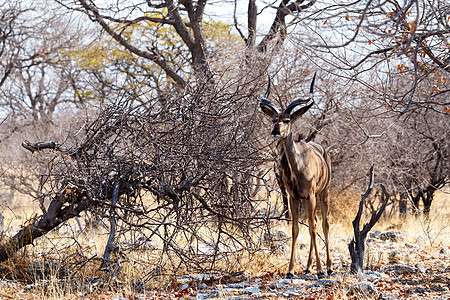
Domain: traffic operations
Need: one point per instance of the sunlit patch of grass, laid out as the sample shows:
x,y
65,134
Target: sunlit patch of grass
x,y
146,269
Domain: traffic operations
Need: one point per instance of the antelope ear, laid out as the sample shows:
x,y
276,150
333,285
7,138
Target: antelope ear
x,y
267,108
298,113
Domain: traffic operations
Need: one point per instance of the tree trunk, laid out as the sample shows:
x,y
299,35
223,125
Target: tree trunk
x,y
39,226
356,246
403,205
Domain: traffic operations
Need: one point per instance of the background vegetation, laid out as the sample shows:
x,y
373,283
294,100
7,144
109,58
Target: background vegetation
x,y
151,110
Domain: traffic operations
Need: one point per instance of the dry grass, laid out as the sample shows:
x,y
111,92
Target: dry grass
x,y
429,234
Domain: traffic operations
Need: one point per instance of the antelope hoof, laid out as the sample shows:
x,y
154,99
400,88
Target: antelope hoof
x,y
321,274
289,275
329,272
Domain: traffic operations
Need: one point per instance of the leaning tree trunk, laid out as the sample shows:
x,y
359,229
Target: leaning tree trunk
x,y
68,202
57,213
356,246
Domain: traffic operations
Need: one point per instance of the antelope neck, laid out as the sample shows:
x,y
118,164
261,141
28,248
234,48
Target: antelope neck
x,y
289,147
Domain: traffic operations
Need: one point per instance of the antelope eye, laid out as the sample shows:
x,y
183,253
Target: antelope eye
x,y
286,121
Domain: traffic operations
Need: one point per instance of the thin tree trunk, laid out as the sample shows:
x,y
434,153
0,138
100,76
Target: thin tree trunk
x,y
356,246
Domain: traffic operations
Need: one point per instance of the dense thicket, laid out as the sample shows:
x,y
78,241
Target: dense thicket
x,y
167,141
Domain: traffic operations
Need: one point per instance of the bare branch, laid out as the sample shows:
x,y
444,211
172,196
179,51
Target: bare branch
x,y
145,54
33,147
279,24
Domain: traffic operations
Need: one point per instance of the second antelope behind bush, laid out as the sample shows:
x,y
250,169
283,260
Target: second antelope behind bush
x,y
306,173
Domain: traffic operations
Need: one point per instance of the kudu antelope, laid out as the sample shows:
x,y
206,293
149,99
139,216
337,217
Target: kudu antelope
x,y
306,173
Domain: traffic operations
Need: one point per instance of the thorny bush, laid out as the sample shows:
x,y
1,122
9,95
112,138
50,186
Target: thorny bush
x,y
184,172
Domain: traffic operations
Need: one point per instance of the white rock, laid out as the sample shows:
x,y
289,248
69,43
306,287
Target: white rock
x,y
277,285
238,285
393,236
322,283
410,245
292,282
298,282
440,263
400,269
391,246
420,268
373,275
292,292
205,249
251,290
271,295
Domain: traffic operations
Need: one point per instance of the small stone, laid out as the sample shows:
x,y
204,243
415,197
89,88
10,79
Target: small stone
x,y
238,285
184,286
364,288
278,284
421,290
309,277
393,236
384,296
294,282
298,282
374,275
440,263
251,290
271,295
420,268
375,234
401,269
207,295
294,292
396,256
372,240
391,246
410,245
322,283
444,251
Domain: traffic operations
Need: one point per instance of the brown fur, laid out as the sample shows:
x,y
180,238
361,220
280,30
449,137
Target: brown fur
x,y
306,174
